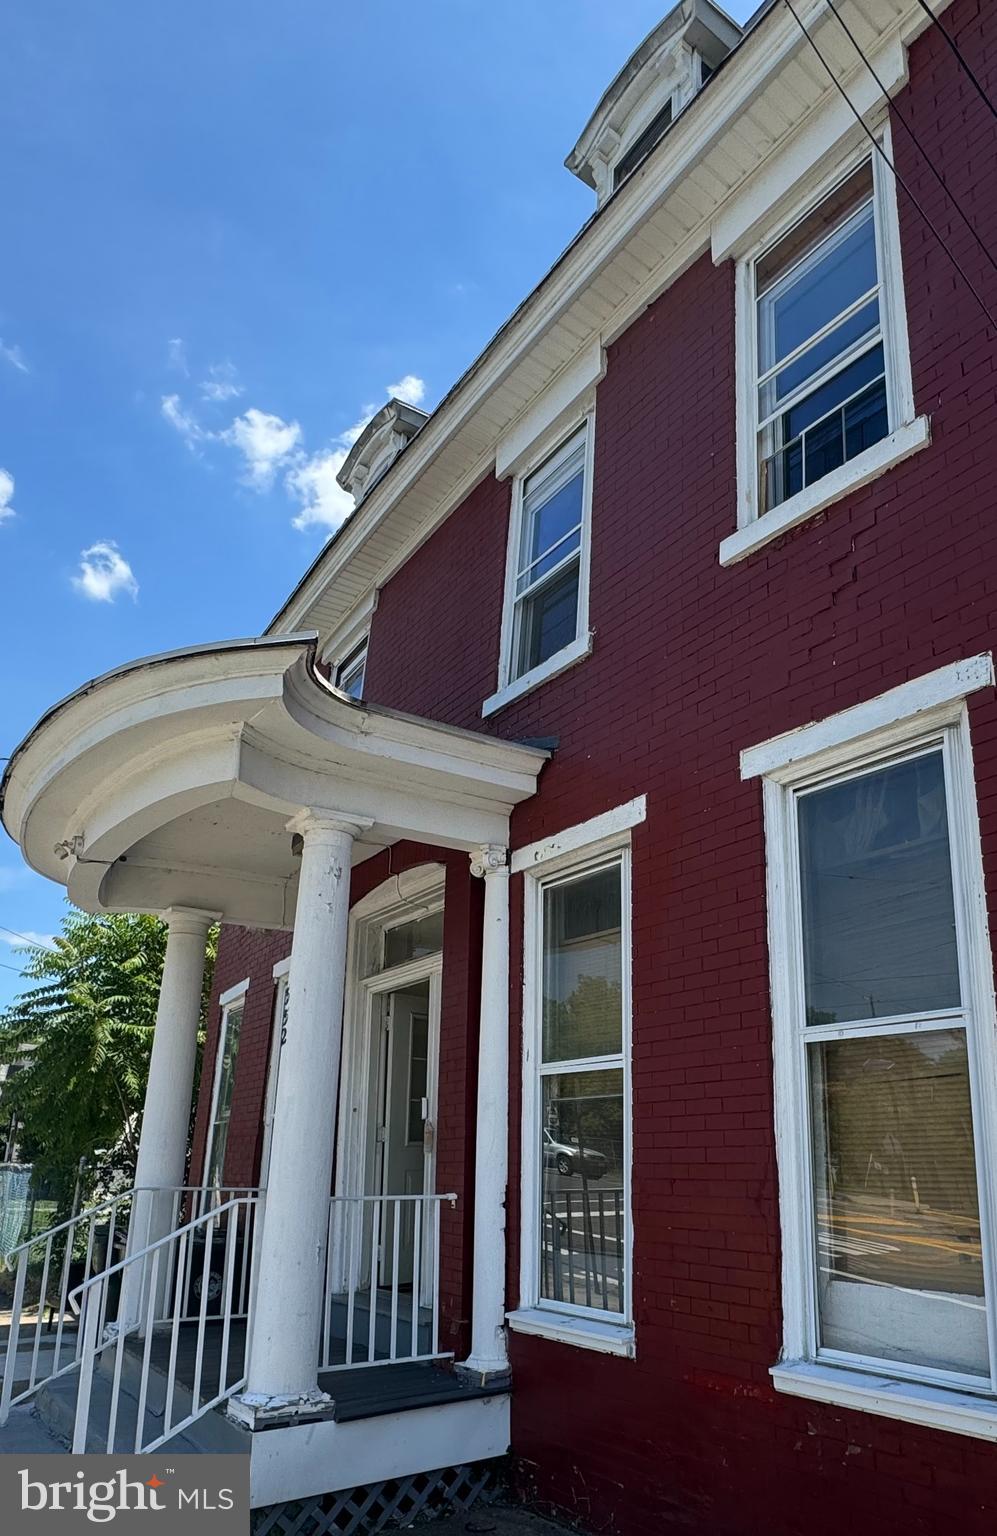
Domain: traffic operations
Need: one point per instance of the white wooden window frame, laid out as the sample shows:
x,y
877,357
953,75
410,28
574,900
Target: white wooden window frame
x,y
607,844
920,715
349,660
234,997
509,687
907,432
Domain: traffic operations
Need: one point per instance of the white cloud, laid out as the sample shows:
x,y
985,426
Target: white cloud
x,y
313,483
222,383
13,355
265,441
104,572
176,355
6,492
411,389
269,446
182,421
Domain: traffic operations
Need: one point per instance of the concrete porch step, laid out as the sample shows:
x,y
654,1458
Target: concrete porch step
x,y
55,1409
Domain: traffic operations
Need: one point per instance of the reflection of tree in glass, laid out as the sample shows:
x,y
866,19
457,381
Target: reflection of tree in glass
x,y
589,1023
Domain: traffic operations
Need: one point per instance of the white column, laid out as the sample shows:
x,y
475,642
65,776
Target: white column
x,y
489,1356
284,1344
162,1148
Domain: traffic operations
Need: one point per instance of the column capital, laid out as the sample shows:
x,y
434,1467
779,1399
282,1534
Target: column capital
x,y
489,859
312,822
193,920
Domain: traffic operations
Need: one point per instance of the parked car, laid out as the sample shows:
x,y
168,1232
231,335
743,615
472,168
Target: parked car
x,y
568,1157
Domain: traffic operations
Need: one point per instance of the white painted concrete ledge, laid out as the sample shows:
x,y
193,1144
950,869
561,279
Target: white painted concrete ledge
x,y
961,1412
605,1337
815,498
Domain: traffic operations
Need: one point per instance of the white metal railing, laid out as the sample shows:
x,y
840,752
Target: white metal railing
x,y
49,1265
382,1280
176,1313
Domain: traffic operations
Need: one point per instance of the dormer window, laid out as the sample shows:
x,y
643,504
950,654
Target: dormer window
x,y
350,673
378,446
657,82
644,143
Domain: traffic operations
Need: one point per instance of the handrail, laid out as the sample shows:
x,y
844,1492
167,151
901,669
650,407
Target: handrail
x,y
163,1274
88,1233
382,1280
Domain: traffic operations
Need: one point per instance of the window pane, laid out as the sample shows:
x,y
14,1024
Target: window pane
x,y
582,1215
582,967
232,1025
350,677
548,521
898,1226
826,282
864,322
418,1075
547,621
876,884
411,940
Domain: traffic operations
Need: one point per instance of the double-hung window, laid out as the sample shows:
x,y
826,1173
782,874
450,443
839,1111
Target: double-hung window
x,y
221,1105
576,1238
545,622
825,399
822,372
884,1062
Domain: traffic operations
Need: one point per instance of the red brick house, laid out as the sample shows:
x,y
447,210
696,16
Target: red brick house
x,y
668,1119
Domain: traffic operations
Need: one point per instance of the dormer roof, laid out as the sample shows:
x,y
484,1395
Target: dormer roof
x,y
661,75
378,445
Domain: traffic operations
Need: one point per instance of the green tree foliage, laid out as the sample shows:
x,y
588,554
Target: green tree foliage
x,y
80,1041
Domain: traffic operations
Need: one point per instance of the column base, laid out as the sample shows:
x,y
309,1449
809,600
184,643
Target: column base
x,y
255,1410
479,1372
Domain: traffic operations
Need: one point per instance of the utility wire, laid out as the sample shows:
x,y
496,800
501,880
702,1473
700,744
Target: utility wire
x,y
958,53
991,320
34,944
905,125
15,968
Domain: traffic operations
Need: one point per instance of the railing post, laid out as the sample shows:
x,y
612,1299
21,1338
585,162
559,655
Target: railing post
x,y
93,1305
13,1338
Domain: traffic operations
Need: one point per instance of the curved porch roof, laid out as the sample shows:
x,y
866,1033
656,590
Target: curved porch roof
x,y
170,781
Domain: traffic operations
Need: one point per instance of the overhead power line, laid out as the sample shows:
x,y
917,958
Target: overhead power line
x,y
963,64
905,125
32,943
881,152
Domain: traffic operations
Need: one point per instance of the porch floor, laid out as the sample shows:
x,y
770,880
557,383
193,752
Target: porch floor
x,y
359,1392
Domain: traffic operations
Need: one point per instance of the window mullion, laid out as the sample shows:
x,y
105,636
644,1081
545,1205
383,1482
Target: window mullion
x,y
818,380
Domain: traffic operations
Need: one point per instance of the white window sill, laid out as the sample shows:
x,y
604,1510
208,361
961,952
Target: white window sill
x,y
607,1337
915,1402
568,657
814,498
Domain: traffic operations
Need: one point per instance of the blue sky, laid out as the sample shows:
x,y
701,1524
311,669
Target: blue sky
x,y
229,229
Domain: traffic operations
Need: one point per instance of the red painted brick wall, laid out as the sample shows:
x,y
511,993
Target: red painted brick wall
x,y
691,664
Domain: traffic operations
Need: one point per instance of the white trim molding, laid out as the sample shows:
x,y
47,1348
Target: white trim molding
x,y
602,843
921,719
234,993
597,835
551,410
921,698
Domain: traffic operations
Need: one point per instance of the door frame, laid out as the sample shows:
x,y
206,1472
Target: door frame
x,y
410,894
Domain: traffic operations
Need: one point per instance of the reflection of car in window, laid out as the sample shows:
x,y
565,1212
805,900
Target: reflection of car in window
x,y
567,1157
